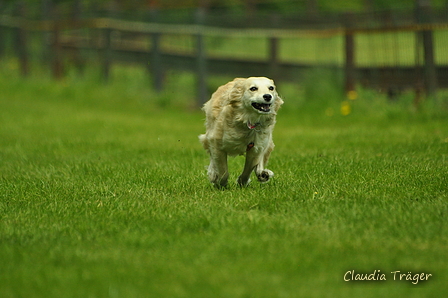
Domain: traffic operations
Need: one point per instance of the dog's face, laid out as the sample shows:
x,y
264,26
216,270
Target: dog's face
x,y
259,94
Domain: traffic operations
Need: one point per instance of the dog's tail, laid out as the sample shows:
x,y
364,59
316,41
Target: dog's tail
x,y
203,140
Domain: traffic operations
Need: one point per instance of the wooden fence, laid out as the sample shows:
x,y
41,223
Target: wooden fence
x,y
82,39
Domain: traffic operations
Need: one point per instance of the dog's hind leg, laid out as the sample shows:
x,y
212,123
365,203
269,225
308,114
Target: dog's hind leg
x,y
218,172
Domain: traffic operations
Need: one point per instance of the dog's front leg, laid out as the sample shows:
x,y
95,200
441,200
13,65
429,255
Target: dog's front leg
x,y
218,172
249,165
256,162
263,174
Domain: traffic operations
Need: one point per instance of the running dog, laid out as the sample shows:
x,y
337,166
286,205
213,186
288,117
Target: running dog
x,y
240,118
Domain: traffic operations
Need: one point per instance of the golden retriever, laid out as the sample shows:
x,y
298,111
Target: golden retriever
x,y
240,118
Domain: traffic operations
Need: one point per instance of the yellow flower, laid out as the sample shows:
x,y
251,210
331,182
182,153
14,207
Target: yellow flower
x,y
352,95
345,108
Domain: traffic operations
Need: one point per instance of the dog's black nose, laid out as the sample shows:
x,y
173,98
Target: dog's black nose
x,y
267,97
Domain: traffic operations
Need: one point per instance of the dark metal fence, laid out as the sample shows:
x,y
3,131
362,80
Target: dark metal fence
x,y
389,50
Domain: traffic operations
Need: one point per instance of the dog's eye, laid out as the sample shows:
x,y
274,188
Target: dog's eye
x,y
253,89
271,88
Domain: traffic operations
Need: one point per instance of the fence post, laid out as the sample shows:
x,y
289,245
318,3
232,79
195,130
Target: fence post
x,y
76,17
56,65
2,34
430,71
201,60
273,57
155,60
21,44
45,54
349,57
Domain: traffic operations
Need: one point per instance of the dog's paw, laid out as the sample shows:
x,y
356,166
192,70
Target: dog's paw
x,y
243,183
217,181
220,186
265,175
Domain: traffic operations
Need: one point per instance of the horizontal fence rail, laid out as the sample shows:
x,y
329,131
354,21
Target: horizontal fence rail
x,y
116,40
150,27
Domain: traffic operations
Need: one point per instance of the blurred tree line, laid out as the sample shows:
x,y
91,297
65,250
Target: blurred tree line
x,y
277,6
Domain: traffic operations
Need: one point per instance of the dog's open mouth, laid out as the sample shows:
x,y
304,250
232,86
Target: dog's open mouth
x,y
263,107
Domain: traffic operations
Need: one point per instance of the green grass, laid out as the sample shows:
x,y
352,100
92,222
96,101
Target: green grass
x,y
103,193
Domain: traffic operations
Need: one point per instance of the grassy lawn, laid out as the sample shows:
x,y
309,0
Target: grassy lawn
x,y
103,193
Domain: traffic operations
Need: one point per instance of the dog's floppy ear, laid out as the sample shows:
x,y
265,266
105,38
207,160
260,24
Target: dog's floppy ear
x,y
278,102
237,91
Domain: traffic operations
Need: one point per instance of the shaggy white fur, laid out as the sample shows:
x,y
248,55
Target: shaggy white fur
x,y
240,118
